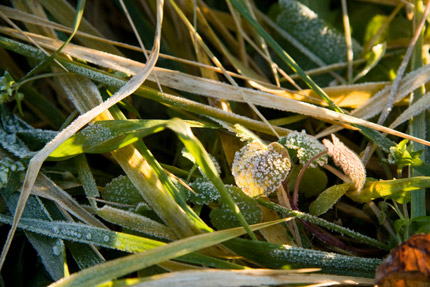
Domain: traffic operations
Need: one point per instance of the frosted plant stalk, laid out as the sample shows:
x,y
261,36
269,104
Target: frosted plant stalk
x,y
37,160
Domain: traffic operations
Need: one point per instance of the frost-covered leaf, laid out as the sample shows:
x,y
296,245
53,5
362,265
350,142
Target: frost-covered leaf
x,y
347,160
259,169
49,249
306,146
106,136
122,190
314,33
9,166
136,222
277,256
19,138
204,192
328,198
223,217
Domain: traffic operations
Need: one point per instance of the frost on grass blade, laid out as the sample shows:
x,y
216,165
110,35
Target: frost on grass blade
x,y
223,217
259,169
347,160
306,146
306,27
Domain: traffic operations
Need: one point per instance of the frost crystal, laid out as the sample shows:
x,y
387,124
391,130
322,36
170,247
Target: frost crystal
x,y
307,147
347,160
259,169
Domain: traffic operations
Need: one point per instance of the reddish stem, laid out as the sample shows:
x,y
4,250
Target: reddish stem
x,y
299,178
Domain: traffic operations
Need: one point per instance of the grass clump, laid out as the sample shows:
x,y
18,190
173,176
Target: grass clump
x,y
140,140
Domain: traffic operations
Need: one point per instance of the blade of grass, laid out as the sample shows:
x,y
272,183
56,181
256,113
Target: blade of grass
x,y
259,277
419,124
124,265
36,162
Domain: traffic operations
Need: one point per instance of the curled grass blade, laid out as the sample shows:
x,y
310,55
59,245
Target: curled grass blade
x,y
36,162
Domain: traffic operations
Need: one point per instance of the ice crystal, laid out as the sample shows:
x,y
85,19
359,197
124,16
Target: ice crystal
x,y
18,138
306,146
347,160
259,169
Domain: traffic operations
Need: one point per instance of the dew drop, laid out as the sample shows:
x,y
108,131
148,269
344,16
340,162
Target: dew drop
x,y
106,238
56,230
88,236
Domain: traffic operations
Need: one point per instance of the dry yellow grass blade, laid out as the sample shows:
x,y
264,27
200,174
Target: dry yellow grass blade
x,y
254,277
374,105
209,88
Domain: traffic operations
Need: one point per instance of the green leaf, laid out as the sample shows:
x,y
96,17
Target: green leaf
x,y
306,146
9,168
373,58
402,155
122,190
328,198
204,192
106,136
314,180
397,189
223,217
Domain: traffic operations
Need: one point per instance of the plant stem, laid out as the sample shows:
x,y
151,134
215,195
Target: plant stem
x,y
418,124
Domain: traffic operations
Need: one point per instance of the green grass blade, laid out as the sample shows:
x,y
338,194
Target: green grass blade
x,y
122,266
284,256
86,234
78,17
